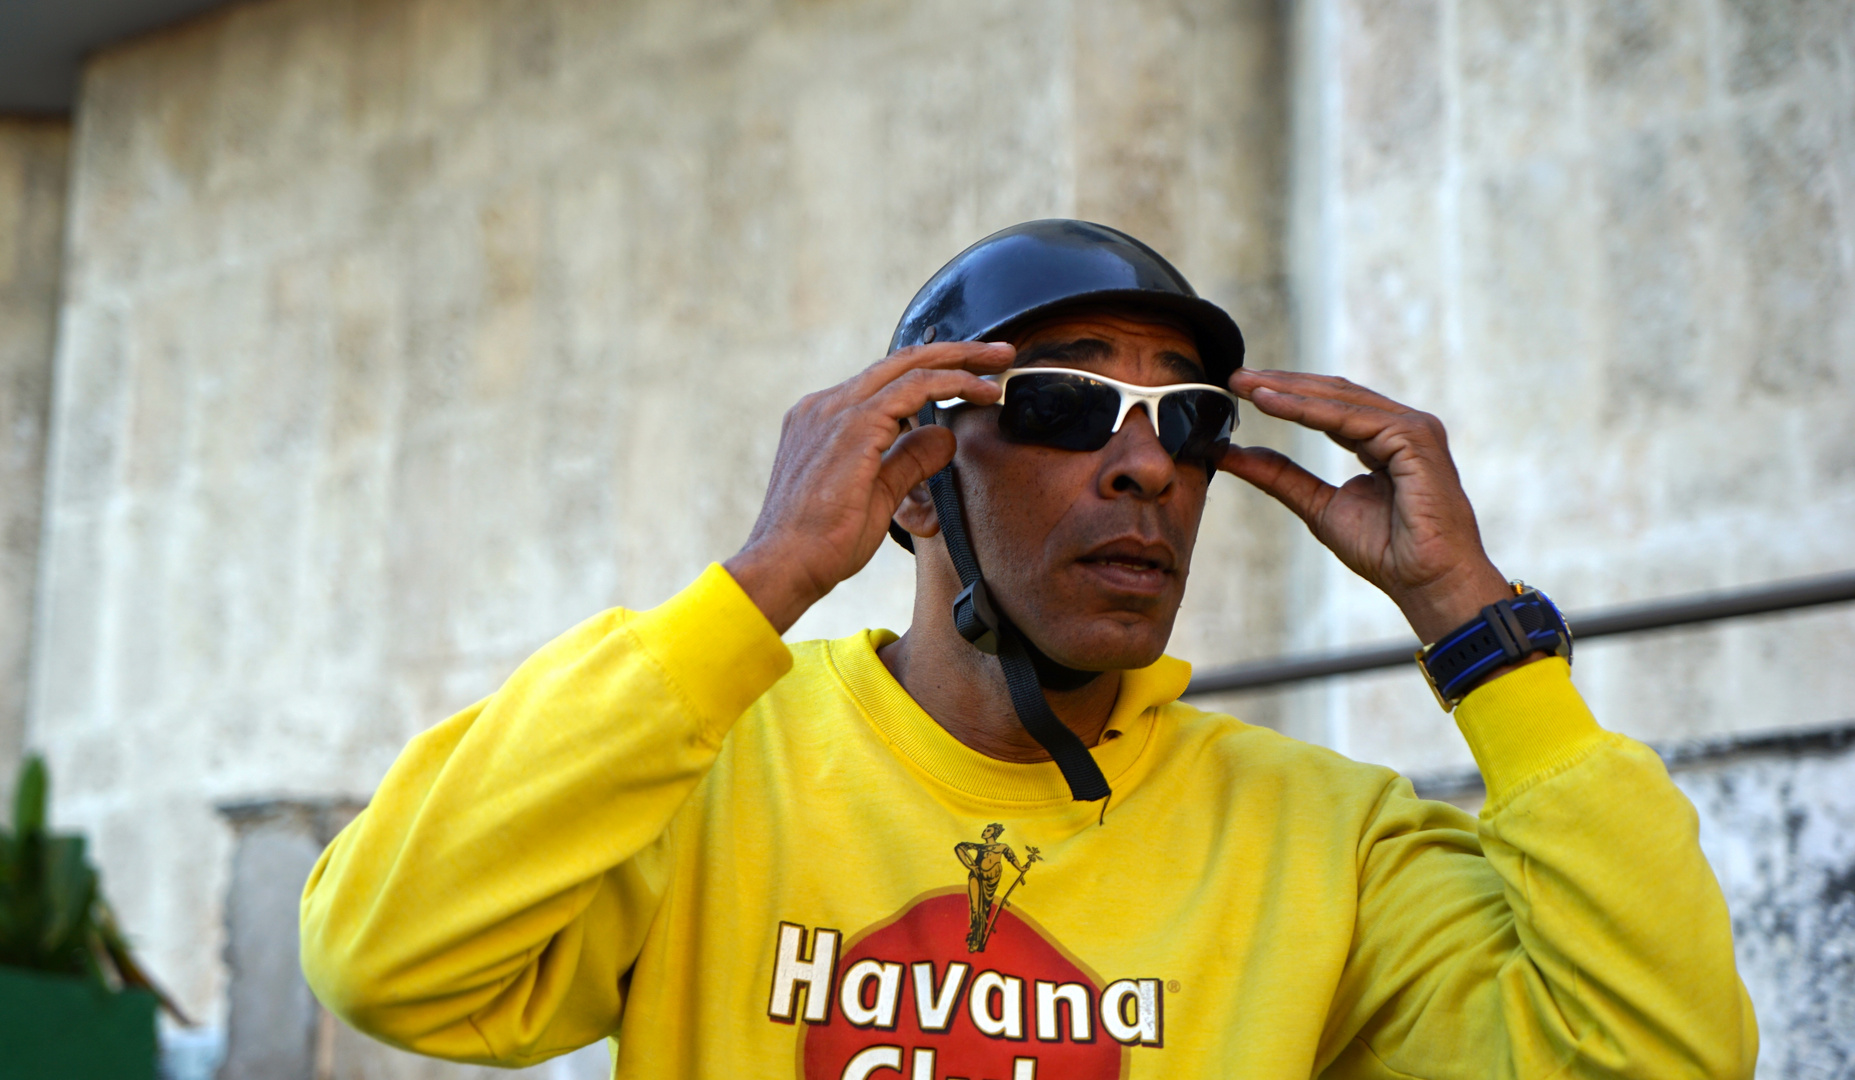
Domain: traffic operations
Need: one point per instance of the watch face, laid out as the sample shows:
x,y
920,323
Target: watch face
x,y
1565,627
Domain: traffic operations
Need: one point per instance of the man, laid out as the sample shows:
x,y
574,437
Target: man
x,y
623,840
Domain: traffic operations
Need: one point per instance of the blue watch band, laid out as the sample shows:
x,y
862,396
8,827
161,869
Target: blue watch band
x,y
1504,632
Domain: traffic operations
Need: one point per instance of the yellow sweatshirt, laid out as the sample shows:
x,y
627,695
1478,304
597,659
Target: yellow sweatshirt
x,y
742,860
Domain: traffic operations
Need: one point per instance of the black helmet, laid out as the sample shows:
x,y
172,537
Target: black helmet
x,y
1041,266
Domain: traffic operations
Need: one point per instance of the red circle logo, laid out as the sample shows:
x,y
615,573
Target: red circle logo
x,y
912,1001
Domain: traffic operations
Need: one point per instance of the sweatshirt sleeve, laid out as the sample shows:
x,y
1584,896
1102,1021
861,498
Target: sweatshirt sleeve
x,y
1576,931
488,903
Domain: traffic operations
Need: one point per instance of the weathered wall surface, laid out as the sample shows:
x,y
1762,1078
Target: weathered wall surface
x,y
1612,244
32,187
401,336
1779,828
277,1029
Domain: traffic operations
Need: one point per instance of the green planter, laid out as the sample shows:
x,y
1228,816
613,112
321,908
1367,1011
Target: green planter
x,y
62,1027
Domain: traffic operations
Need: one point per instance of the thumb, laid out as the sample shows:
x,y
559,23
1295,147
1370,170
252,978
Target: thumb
x,y
913,458
1279,476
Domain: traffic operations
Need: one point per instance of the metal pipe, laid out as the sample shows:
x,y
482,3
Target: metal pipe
x,y
1634,619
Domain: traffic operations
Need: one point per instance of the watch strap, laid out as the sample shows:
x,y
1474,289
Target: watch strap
x,y
1504,632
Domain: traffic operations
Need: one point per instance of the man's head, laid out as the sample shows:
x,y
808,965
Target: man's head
x,y
1087,552
992,832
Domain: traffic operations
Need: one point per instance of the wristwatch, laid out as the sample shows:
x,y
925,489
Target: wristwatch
x,y
1506,630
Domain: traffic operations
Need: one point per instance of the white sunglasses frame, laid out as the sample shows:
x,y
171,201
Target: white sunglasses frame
x,y
1132,394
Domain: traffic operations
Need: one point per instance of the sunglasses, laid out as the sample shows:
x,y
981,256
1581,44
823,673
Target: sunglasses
x,y
1070,410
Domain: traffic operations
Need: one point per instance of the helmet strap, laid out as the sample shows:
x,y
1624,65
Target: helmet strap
x,y
1028,670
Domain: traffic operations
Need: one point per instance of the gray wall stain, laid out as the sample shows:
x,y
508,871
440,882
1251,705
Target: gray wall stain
x,y
1780,832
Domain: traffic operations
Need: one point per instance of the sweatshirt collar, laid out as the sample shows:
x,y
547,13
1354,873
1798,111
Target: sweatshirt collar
x,y
917,737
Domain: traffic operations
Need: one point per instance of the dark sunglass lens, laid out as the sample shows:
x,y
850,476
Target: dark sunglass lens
x,y
1195,424
1067,412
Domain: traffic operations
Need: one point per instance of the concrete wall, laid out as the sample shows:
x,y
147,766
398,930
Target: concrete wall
x,y
1612,245
401,336
32,187
1778,824
277,1029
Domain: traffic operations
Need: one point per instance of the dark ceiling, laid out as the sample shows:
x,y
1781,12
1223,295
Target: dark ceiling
x,y
42,42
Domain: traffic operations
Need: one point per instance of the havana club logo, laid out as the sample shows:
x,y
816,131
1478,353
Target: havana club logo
x,y
985,864
959,985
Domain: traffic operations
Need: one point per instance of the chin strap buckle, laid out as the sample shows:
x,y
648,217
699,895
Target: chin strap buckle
x,y
975,618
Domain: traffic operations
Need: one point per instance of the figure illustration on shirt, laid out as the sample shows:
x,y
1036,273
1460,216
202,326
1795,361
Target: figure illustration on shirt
x,y
985,866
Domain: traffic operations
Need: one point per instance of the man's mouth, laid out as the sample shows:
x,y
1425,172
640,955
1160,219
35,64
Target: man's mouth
x,y
1131,566
1129,562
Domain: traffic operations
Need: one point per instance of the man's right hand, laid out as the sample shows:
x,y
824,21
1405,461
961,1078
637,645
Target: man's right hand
x,y
844,465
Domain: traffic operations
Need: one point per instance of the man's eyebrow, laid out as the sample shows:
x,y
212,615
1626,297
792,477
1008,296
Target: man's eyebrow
x,y
1074,352
1192,370
1082,350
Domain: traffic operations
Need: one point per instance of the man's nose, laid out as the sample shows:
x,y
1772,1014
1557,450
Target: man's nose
x,y
1136,463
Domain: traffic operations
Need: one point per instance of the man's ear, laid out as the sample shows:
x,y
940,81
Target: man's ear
x,y
916,514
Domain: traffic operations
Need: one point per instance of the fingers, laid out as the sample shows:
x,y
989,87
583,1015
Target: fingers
x,y
1374,432
906,376
915,456
1351,446
1279,476
980,357
905,396
1308,384
899,402
879,420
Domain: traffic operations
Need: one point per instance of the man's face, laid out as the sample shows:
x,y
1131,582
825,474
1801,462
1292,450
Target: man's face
x,y
1088,551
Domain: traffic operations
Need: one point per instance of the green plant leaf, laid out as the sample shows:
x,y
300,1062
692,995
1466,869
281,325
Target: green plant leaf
x,y
52,914
127,968
26,903
29,798
70,891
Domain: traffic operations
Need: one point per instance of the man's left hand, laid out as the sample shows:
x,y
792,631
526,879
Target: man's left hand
x,y
1406,524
